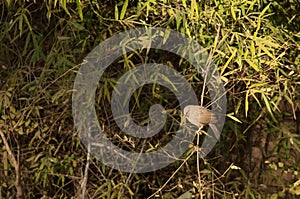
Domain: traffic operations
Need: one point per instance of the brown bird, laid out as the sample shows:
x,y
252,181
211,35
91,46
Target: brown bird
x,y
199,116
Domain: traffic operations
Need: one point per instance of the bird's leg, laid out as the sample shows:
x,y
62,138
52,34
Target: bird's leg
x,y
200,128
200,131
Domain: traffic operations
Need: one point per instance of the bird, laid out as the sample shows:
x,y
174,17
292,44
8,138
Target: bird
x,y
199,115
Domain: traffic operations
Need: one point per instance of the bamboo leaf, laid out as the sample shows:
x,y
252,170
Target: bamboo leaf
x,y
247,102
124,8
261,46
231,116
229,60
116,12
233,13
253,65
79,8
27,22
267,103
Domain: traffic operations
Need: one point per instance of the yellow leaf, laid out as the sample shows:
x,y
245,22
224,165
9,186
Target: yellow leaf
x,y
247,102
228,61
231,116
253,65
233,13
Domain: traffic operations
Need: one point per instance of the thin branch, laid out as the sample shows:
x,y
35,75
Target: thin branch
x,y
198,164
85,176
17,182
176,171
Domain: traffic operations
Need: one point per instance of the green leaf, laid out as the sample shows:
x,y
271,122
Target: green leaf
x,y
124,8
116,12
267,103
79,8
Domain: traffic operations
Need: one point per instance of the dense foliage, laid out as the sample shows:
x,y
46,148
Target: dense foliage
x,y
255,45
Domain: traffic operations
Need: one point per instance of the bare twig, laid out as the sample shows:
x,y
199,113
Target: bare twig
x,y
198,165
16,164
85,176
161,188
